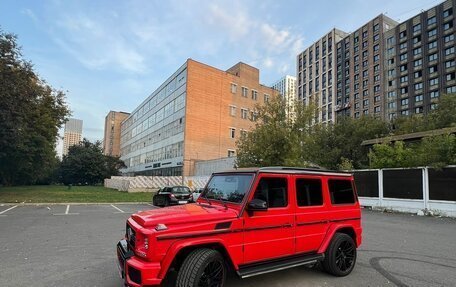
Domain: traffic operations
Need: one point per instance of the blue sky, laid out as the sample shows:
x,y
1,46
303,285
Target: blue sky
x,y
110,55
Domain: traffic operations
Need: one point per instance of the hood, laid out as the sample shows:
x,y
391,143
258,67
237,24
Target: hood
x,y
189,213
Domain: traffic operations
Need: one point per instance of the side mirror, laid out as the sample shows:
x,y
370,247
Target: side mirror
x,y
257,205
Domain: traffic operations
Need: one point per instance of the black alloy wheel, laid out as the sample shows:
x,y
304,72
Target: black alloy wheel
x,y
340,256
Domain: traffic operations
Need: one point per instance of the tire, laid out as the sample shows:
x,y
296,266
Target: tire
x,y
340,256
196,266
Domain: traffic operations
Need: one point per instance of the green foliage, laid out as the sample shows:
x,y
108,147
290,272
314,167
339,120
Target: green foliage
x,y
31,113
87,165
436,151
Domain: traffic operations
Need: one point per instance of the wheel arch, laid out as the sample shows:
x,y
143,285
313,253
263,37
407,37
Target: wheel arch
x,y
180,250
340,228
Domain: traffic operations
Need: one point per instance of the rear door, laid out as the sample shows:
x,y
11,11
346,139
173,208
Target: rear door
x,y
311,212
269,234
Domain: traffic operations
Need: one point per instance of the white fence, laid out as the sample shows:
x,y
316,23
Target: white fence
x,y
418,190
152,183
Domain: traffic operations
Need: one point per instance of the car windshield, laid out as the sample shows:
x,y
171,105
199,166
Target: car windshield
x,y
180,190
226,187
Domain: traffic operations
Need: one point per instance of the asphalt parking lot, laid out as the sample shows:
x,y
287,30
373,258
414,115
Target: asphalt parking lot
x,y
74,245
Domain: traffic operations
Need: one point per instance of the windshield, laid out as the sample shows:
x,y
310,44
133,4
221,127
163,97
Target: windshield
x,y
180,190
230,188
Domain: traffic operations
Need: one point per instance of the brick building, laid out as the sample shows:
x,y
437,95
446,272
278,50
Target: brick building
x,y
197,114
111,140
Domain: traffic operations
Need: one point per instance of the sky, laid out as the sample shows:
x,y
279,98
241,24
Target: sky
x,y
110,55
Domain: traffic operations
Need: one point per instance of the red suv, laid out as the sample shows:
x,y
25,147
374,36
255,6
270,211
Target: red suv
x,y
252,221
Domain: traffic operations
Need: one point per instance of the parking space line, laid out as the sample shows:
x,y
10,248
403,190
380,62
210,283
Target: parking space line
x,y
120,210
67,211
4,211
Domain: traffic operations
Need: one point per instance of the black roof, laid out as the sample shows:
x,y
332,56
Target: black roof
x,y
285,169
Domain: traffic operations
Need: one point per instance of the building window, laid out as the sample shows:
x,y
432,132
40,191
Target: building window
x,y
254,95
405,112
418,86
404,90
418,74
390,41
233,88
403,68
433,69
450,76
432,33
431,20
433,57
449,64
377,89
404,79
404,102
448,25
417,39
376,58
232,133
403,57
233,111
376,37
417,63
266,98
419,98
434,94
403,46
418,110
449,51
417,28
376,68
391,73
447,12
377,109
245,92
417,51
451,90
448,38
434,81
231,153
392,105
376,27
432,45
377,99
365,103
403,34
244,114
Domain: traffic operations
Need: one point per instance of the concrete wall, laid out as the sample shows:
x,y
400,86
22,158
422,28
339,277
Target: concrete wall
x,y
207,167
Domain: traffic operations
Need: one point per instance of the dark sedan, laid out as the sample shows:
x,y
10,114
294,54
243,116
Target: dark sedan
x,y
170,195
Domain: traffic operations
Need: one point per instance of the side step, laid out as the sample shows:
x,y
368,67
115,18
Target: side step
x,y
271,266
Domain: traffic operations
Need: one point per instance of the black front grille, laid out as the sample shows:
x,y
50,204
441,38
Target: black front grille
x,y
131,236
134,274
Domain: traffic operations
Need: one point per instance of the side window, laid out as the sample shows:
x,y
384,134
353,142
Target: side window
x,y
341,191
309,192
272,190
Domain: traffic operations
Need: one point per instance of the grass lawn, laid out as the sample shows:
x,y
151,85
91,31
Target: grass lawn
x,y
61,194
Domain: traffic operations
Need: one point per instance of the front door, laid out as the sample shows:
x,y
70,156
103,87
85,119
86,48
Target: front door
x,y
269,234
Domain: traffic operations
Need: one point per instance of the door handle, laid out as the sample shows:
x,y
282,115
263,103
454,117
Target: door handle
x,y
287,225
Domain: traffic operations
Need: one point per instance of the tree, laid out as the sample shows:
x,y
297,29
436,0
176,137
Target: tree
x,y
86,164
31,113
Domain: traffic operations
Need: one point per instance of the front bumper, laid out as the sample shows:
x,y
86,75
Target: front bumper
x,y
135,271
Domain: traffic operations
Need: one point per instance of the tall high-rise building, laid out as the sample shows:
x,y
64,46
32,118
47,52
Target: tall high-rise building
x,y
72,134
286,86
111,140
360,66
384,68
316,73
197,114
420,61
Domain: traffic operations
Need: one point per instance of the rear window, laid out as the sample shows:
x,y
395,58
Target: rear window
x,y
341,191
308,192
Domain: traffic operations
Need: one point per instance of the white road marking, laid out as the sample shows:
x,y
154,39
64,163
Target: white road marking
x,y
120,210
67,212
7,209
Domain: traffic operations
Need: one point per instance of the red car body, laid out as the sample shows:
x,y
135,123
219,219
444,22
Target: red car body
x,y
251,242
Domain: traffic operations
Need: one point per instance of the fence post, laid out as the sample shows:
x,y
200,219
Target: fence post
x,y
380,187
426,187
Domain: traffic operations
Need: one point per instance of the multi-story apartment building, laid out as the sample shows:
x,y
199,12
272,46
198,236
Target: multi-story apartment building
x,y
316,74
286,87
72,134
420,61
197,114
111,140
360,66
